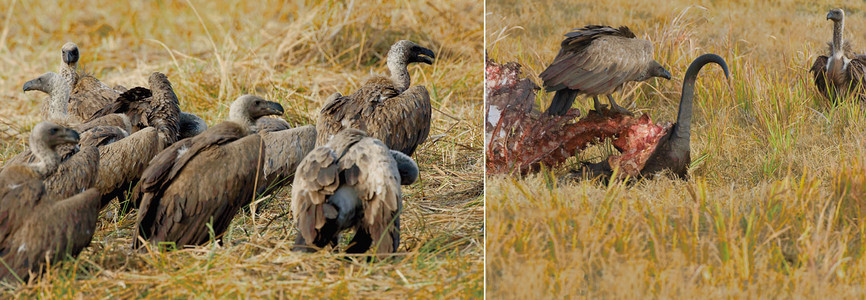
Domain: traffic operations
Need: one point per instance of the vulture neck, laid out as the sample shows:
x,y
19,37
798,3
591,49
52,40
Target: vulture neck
x,y
70,76
399,73
240,115
59,99
837,38
47,158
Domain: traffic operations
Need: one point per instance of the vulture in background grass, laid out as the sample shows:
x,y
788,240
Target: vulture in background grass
x,y
598,60
203,180
386,108
353,181
842,72
36,224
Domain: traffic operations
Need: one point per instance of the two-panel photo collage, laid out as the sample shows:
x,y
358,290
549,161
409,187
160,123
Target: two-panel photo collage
x,y
413,149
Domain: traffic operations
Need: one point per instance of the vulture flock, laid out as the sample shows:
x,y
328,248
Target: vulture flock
x,y
598,60
186,180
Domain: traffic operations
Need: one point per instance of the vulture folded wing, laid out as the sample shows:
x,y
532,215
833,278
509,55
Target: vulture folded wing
x,y
284,151
88,97
123,162
20,191
74,175
99,136
316,178
818,73
369,167
858,77
64,227
215,184
338,113
268,124
402,122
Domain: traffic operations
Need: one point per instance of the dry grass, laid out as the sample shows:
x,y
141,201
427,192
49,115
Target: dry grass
x,y
294,52
773,207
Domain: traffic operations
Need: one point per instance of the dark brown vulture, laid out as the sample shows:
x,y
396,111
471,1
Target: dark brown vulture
x,y
842,72
36,223
204,179
55,108
353,181
386,108
597,60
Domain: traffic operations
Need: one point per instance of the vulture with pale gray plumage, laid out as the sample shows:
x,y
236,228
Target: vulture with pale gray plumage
x,y
35,223
842,72
353,181
203,179
386,108
597,60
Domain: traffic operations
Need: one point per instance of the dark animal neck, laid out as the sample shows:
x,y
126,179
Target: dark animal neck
x,y
682,129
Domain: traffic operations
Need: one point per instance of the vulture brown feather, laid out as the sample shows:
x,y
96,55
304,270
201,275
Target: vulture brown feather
x,y
841,73
386,108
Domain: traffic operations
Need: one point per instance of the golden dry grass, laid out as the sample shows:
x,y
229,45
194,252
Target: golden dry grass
x,y
773,207
293,52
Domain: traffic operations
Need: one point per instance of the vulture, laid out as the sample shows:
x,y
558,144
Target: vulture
x,y
386,108
67,168
353,181
842,72
37,224
58,106
284,150
598,60
196,186
673,151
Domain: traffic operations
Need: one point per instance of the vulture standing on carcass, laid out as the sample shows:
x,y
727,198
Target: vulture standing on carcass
x,y
386,108
843,71
598,60
204,179
353,181
35,224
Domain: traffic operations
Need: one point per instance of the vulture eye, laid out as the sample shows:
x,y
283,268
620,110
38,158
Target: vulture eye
x,y
53,130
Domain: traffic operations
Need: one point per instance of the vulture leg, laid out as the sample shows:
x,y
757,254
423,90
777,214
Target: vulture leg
x,y
328,235
616,108
361,242
597,105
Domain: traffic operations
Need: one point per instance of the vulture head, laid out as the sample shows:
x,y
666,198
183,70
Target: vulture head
x,y
655,69
70,53
407,167
836,15
44,139
45,83
249,108
406,52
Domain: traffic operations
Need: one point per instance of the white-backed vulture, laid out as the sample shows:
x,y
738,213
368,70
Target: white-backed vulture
x,y
269,124
353,181
55,85
67,169
386,108
597,60
842,72
36,222
203,179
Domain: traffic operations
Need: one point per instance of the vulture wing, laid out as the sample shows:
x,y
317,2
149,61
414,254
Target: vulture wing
x,y
99,136
123,162
284,151
74,175
88,97
818,72
20,191
268,124
369,167
317,178
597,60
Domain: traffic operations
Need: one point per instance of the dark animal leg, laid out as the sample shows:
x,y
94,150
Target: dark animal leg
x,y
361,242
329,234
616,108
597,105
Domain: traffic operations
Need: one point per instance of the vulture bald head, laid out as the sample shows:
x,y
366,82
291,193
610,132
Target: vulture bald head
x,y
70,53
44,139
400,56
655,69
837,15
249,108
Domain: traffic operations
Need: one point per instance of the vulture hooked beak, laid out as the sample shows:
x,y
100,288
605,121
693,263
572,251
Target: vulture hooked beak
x,y
29,86
272,108
70,136
70,56
424,55
665,74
